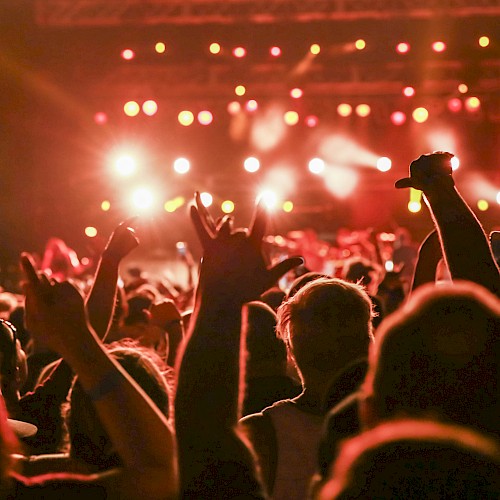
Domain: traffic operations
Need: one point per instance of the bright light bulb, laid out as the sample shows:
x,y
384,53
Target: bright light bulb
x,y
287,206
131,108
214,48
142,198
185,118
206,199
420,115
149,107
182,165
291,118
344,109
240,90
484,41
105,205
205,117
268,198
125,165
316,166
90,231
315,49
483,205
455,163
160,47
227,206
251,164
360,44
414,206
384,164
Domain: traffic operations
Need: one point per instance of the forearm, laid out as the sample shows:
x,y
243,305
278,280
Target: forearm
x,y
102,297
466,249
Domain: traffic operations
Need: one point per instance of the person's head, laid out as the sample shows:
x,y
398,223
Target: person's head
x,y
438,356
302,281
359,270
89,441
266,352
326,325
414,459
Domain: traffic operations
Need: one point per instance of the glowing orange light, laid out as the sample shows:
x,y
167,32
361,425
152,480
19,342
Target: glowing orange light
x,y
438,46
128,54
233,107
363,110
472,104
463,89
398,118
360,44
251,105
182,165
214,48
483,205
409,91
344,109
483,41
105,205
296,93
131,108
315,49
251,164
149,107
239,52
205,117
455,104
160,47
291,118
403,47
100,118
287,206
240,90
420,115
185,118
311,121
275,51
227,206
90,231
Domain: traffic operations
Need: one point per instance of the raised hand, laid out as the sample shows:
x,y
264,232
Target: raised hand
x,y
55,312
429,171
233,260
122,241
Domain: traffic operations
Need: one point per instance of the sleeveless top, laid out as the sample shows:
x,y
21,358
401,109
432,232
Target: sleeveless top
x,y
297,438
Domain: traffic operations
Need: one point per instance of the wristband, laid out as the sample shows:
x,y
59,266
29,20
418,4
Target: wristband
x,y
107,384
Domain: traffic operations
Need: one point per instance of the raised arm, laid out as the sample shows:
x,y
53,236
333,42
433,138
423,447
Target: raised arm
x,y
213,461
465,245
137,429
429,255
102,297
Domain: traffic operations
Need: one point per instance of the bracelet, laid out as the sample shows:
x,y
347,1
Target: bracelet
x,y
107,384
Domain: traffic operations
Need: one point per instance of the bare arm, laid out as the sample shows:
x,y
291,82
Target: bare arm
x,y
429,255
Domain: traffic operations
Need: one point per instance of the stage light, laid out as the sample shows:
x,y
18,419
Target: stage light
x,y
251,164
227,207
275,51
105,206
360,44
296,93
438,46
205,117
234,107
341,150
182,165
291,118
463,89
240,90
340,181
239,52
402,48
483,205
384,164
149,107
131,108
287,206
408,91
91,232
268,198
172,205
142,198
472,104
315,49
363,110
128,54
455,163
455,105
483,41
316,166
206,199
311,121
498,197
414,206
420,115
214,48
268,128
160,47
100,118
398,117
251,105
389,266
125,165
344,109
185,118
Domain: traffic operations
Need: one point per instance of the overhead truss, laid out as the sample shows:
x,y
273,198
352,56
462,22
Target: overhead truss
x,y
150,12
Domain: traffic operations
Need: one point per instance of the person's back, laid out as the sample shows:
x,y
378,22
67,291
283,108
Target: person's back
x,y
327,326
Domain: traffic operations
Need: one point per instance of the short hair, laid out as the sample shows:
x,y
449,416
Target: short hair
x,y
416,459
326,320
439,354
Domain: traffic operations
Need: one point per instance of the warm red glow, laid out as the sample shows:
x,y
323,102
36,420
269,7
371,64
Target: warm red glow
x,y
402,48
409,91
128,54
100,118
296,93
455,104
311,121
233,107
398,118
205,117
275,51
239,52
251,105
149,107
438,46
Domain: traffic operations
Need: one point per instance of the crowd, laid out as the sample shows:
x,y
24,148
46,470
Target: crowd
x,y
260,379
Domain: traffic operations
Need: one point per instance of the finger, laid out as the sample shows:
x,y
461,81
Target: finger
x,y
201,230
280,269
205,214
28,266
258,226
225,226
130,222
